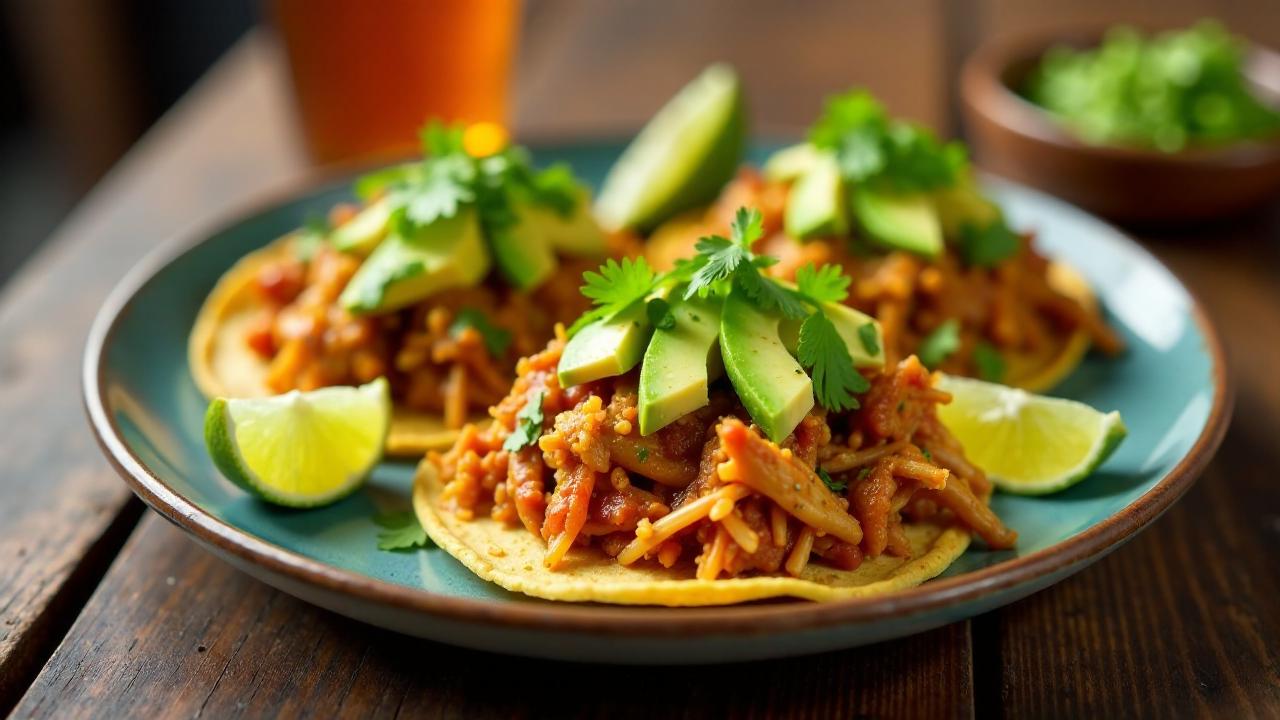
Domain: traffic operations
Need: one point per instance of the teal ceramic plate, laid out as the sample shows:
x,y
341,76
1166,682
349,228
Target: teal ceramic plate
x,y
1170,386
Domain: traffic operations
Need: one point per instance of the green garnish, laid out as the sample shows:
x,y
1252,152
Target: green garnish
x,y
615,287
927,455
528,424
448,178
869,339
725,263
315,233
832,485
989,362
822,350
989,245
496,339
401,531
825,284
1164,91
642,453
863,473
873,149
659,313
939,344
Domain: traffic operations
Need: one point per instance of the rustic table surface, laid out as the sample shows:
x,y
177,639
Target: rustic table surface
x,y
106,610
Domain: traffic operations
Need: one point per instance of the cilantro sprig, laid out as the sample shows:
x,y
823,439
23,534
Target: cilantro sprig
x,y
722,264
528,424
873,149
448,179
401,531
615,287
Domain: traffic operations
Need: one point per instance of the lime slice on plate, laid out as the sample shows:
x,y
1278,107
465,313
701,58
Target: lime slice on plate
x,y
300,449
681,158
1028,444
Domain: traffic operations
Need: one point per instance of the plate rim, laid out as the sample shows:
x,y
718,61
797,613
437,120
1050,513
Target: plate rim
x,y
750,619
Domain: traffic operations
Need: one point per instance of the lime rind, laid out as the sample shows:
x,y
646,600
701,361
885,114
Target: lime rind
x,y
300,449
681,158
1029,444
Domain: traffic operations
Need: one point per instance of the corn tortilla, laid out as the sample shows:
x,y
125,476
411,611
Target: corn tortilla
x,y
511,557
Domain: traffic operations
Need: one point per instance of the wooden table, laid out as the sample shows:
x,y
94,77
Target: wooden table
x,y
107,610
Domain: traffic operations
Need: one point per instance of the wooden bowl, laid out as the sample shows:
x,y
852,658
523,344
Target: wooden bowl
x,y
1014,137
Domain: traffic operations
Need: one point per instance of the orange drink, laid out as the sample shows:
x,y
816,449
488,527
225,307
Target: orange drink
x,y
368,74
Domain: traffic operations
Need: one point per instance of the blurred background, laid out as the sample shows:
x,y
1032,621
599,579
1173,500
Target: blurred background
x,y
83,80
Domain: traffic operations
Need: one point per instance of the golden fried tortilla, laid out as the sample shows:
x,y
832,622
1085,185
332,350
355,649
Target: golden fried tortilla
x,y
511,557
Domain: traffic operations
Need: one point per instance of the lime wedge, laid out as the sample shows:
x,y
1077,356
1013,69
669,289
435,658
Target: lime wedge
x,y
300,449
681,158
1028,444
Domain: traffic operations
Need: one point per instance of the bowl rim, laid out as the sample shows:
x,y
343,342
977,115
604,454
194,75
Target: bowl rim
x,y
751,619
984,91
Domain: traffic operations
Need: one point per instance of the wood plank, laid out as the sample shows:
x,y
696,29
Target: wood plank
x,y
604,68
172,631
61,500
1183,621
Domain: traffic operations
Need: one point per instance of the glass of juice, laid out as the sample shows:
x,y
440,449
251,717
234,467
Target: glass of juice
x,y
368,75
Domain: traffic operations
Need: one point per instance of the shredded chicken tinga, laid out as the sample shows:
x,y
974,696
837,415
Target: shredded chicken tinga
x,y
708,497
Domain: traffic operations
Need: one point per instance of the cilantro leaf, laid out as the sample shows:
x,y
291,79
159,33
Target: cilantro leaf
x,y
528,424
717,261
747,227
618,284
556,188
496,339
863,473
989,362
835,380
660,315
445,185
869,338
873,149
401,531
825,284
767,294
832,485
642,453
988,245
845,114
939,344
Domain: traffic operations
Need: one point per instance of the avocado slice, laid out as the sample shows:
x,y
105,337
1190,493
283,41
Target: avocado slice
x,y
402,270
791,162
522,251
679,364
771,384
962,205
578,234
362,233
849,324
816,204
606,348
899,222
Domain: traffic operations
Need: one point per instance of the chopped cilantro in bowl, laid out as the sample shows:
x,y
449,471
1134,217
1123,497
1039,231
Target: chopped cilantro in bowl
x,y
1166,91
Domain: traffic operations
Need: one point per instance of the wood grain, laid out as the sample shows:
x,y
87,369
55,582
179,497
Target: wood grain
x,y
172,631
61,500
604,68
